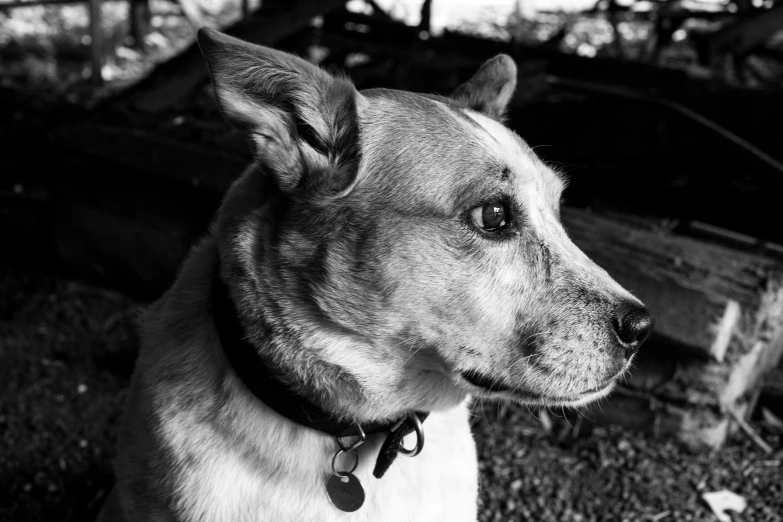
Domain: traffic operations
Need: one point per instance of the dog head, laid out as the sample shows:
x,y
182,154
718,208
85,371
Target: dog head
x,y
391,251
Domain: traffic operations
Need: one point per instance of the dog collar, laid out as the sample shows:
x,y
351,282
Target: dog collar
x,y
263,382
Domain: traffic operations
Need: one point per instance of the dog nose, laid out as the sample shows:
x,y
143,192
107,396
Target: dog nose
x,y
632,323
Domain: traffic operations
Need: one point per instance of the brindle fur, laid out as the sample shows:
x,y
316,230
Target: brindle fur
x,y
358,274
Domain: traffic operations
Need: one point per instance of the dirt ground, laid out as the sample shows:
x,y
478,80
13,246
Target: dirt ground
x,y
67,350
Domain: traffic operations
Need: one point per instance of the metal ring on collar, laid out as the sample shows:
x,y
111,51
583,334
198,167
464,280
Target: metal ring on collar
x,y
359,442
345,473
419,437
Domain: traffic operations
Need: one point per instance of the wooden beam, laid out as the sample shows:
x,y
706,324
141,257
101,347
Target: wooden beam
x,y
724,386
139,21
696,426
15,5
96,42
741,36
426,15
702,294
171,81
698,400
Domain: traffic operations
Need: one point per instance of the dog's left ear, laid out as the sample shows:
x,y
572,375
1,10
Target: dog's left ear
x,y
491,88
302,120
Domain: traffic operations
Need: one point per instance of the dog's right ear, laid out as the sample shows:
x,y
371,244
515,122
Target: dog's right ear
x,y
490,90
301,119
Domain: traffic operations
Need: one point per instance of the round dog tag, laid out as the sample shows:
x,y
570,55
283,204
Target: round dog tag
x,y
345,492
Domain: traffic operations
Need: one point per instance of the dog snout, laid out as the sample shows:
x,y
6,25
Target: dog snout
x,y
632,324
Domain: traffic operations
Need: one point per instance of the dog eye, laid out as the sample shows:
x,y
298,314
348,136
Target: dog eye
x,y
492,216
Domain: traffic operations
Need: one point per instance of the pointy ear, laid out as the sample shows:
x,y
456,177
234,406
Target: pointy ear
x,y
491,88
302,120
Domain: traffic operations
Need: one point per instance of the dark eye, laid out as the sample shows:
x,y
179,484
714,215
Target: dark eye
x,y
492,216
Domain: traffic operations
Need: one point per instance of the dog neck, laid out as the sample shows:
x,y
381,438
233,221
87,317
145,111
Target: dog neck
x,y
345,357
260,380
263,381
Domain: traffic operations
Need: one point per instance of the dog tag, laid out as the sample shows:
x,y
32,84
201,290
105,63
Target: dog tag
x,y
345,492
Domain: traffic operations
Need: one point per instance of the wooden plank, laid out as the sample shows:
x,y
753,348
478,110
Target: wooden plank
x,y
426,15
721,386
669,393
741,36
696,426
96,42
702,294
692,287
139,20
723,304
706,395
174,79
16,5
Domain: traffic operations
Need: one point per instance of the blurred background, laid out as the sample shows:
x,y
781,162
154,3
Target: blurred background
x,y
666,115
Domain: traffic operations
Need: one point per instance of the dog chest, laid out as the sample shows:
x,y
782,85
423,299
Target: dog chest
x,y
288,481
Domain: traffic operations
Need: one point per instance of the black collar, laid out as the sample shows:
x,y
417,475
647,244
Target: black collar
x,y
263,382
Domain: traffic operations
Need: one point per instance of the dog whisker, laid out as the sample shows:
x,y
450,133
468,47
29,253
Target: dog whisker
x,y
568,421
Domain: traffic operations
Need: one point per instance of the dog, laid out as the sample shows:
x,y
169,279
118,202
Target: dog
x,y
387,256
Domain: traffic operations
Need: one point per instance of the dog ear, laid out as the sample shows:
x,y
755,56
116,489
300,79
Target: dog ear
x,y
301,119
491,88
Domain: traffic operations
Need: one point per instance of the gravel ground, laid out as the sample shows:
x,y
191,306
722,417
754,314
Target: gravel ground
x,y
576,471
66,353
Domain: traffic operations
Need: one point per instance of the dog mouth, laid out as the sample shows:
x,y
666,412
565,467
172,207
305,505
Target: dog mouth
x,y
497,386
573,400
486,382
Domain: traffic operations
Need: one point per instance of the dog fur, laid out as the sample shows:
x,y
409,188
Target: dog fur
x,y
352,253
